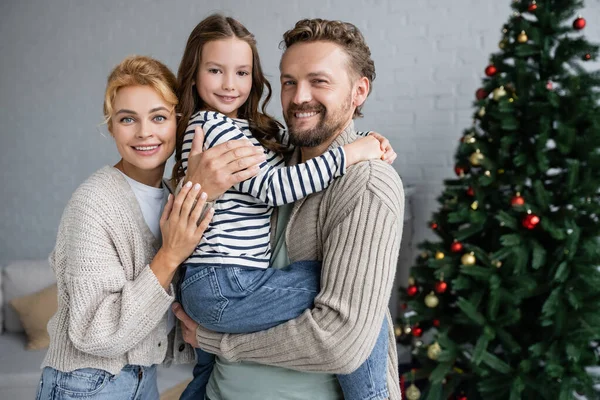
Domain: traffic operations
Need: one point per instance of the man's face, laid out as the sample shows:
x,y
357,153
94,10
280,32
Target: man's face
x,y
316,92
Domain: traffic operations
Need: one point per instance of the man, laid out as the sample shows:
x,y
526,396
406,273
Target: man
x,y
354,227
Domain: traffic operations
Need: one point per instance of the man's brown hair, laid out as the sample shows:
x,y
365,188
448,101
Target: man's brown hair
x,y
345,35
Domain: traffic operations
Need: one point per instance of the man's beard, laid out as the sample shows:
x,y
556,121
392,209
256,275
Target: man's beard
x,y
329,124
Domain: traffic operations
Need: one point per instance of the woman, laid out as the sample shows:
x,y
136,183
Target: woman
x,y
113,274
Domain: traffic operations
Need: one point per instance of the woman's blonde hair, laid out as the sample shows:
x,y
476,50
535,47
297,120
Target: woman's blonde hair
x,y
142,71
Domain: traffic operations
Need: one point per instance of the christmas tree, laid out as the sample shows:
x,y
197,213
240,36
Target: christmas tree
x,y
506,304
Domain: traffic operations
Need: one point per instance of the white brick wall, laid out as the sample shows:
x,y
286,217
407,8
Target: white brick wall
x,y
429,54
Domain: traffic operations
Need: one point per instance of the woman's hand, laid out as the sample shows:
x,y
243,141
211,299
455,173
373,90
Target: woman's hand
x,y
181,230
220,167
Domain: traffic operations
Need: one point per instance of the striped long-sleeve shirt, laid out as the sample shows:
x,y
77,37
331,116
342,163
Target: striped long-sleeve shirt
x,y
239,232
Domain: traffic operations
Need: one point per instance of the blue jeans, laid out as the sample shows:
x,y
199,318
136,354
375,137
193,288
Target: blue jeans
x,y
244,300
132,383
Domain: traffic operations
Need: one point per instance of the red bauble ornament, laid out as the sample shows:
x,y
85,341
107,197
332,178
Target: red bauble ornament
x,y
530,221
532,7
412,290
462,397
587,57
579,23
549,85
491,70
481,94
456,247
441,287
416,331
470,192
517,200
460,171
434,225
436,323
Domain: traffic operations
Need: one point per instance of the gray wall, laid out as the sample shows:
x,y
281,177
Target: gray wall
x,y
55,56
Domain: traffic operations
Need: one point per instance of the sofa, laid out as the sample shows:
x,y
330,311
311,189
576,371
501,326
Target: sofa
x,y
19,367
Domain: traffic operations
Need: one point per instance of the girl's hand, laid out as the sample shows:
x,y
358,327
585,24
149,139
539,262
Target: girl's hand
x,y
389,155
363,149
220,167
181,230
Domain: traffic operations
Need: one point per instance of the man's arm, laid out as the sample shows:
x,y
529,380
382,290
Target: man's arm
x,y
360,255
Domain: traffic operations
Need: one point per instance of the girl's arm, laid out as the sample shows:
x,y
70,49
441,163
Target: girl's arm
x,y
277,185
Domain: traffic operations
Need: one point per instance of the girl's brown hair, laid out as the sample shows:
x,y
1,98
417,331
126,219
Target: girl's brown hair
x,y
263,127
142,71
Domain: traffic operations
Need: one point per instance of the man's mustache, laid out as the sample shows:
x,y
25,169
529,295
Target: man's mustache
x,y
306,108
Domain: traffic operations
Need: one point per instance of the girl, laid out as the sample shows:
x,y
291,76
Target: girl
x,y
112,271
226,283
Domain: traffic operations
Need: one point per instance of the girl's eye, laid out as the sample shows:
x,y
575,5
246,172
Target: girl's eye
x,y
213,70
160,118
126,120
243,73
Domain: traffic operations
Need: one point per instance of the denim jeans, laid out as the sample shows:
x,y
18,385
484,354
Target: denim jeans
x,y
133,382
244,300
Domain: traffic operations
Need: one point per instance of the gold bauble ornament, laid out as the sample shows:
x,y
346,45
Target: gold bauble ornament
x,y
431,300
476,158
481,112
439,255
488,173
522,38
398,331
499,93
498,264
469,138
407,330
468,259
411,281
503,43
474,205
424,254
413,392
433,351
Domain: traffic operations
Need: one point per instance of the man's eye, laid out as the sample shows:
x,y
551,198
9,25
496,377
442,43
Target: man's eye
x,y
288,83
126,120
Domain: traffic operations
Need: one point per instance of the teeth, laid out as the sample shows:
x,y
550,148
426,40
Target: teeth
x,y
146,148
305,115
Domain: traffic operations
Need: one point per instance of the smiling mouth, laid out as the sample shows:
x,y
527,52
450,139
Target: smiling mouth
x,y
146,148
301,115
227,99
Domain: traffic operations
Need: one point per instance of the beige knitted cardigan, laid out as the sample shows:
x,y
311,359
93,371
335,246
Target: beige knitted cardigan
x,y
354,227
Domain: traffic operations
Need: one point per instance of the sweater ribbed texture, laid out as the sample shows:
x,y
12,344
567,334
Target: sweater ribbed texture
x,y
111,307
354,227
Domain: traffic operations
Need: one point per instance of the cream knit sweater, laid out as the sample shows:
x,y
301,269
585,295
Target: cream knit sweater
x,y
111,308
354,227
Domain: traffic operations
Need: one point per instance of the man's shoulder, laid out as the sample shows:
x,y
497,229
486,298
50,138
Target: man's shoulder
x,y
374,179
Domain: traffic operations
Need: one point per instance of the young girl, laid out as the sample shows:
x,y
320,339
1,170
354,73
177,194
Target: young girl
x,y
226,283
113,270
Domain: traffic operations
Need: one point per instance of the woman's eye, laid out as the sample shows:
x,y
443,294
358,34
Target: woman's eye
x,y
160,118
126,120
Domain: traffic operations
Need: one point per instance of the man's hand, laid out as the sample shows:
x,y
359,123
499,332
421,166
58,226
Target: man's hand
x,y
188,325
220,167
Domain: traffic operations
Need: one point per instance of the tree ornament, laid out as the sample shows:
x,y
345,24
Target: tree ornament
x,y
481,94
470,139
434,225
491,70
412,290
407,330
499,93
517,200
476,158
398,331
497,263
431,300
470,192
522,38
439,255
436,323
434,350
474,205
530,221
424,255
411,281
460,171
468,259
549,85
413,392
579,23
481,112
502,44
587,57
441,286
532,7
456,247
462,397
416,331
488,173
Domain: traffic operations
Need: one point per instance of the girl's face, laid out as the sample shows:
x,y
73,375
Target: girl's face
x,y
143,126
224,77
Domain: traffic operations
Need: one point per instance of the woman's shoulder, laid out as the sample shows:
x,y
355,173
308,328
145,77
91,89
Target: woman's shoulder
x,y
104,186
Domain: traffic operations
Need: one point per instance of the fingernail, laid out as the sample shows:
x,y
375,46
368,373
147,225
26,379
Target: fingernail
x,y
169,198
197,186
188,184
203,195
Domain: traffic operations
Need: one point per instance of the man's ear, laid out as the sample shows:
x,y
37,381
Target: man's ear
x,y
361,91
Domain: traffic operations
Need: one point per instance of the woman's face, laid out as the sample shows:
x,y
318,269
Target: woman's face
x,y
143,126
